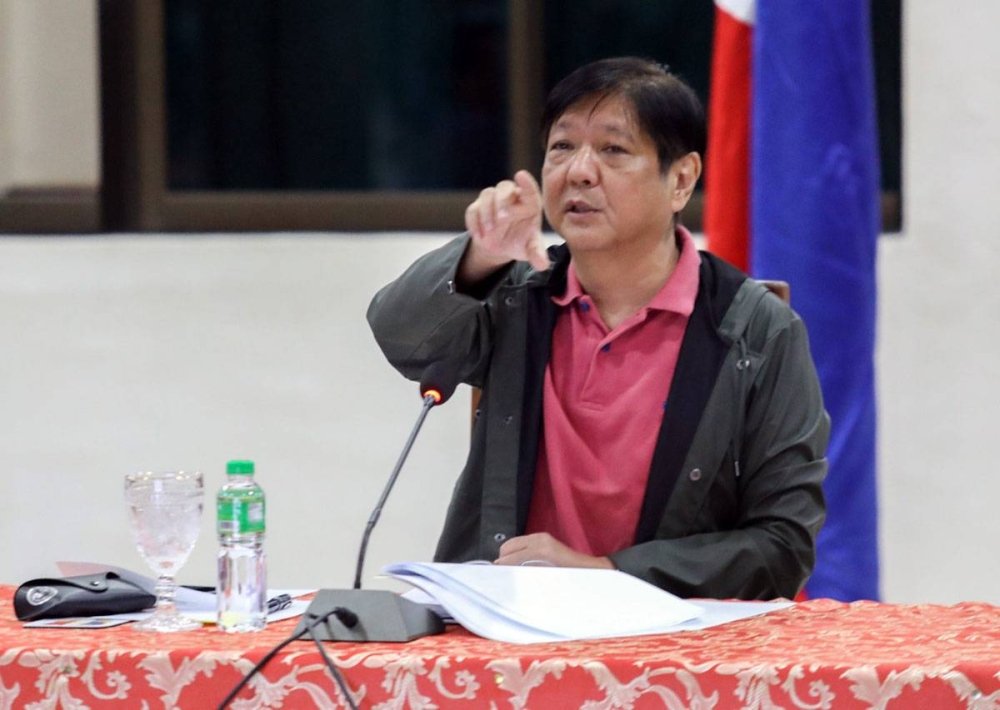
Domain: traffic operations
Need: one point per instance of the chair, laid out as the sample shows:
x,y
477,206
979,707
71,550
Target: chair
x,y
781,289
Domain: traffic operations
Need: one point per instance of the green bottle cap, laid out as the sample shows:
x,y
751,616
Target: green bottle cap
x,y
239,468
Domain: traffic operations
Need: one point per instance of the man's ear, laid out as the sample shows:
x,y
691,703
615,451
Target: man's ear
x,y
684,172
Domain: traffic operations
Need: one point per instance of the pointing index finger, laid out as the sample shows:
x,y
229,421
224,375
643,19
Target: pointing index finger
x,y
530,191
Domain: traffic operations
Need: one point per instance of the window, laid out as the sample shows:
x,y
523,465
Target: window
x,y
315,95
258,114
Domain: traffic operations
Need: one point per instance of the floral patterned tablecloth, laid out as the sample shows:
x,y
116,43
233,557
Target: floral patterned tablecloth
x,y
817,654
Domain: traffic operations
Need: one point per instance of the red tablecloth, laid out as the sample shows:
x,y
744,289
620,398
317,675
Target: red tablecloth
x,y
818,654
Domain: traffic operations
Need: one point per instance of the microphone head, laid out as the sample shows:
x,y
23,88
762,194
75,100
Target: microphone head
x,y
435,395
439,381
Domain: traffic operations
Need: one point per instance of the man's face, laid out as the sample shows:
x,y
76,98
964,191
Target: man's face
x,y
601,180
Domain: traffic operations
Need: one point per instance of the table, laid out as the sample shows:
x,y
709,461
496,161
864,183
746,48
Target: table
x,y
818,654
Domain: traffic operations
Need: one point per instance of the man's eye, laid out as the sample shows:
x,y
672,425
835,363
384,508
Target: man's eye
x,y
559,145
616,149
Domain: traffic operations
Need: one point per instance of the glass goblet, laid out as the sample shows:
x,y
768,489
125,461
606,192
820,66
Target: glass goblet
x,y
164,513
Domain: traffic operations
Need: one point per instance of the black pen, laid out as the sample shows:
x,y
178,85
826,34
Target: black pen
x,y
276,604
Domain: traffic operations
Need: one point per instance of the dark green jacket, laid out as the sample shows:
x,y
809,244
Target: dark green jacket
x,y
734,499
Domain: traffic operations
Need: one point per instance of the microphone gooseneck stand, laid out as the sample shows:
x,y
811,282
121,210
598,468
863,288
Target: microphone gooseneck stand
x,y
382,615
431,398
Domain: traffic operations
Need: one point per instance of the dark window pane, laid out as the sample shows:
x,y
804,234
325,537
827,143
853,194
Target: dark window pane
x,y
677,33
887,19
318,95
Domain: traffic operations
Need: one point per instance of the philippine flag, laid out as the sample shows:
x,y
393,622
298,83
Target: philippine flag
x,y
792,193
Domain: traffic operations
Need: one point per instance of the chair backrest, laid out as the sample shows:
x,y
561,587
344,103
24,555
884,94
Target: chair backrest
x,y
781,289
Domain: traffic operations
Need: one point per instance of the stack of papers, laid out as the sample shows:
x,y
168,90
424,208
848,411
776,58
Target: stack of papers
x,y
546,604
538,604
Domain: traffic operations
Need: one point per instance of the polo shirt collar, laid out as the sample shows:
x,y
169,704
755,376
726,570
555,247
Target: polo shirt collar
x,y
679,292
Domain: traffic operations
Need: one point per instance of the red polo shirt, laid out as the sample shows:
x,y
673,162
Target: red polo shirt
x,y
604,396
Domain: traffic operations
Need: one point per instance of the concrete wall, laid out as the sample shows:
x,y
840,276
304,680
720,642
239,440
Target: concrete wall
x,y
132,352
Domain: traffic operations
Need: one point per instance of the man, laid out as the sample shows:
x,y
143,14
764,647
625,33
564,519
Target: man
x,y
645,407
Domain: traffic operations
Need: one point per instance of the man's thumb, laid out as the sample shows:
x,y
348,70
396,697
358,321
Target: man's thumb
x,y
530,191
538,257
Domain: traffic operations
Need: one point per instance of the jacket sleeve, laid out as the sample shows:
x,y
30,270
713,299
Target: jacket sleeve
x,y
420,319
768,550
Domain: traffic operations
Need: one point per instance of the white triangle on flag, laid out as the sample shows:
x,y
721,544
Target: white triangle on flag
x,y
742,10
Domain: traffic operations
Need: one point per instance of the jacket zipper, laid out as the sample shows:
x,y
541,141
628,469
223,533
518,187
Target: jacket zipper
x,y
742,365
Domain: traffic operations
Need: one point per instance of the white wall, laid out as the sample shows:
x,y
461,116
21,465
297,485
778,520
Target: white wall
x,y
939,324
5,103
150,352
49,94
146,353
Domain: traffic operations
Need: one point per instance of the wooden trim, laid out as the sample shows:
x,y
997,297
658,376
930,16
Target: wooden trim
x,y
892,211
314,211
151,130
61,211
525,70
890,206
133,115
50,211
692,215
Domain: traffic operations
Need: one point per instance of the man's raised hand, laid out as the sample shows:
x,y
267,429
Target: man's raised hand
x,y
505,222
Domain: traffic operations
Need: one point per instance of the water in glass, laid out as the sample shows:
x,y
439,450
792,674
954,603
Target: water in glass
x,y
164,512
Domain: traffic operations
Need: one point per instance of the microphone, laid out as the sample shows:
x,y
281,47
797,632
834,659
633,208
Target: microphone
x,y
436,388
380,615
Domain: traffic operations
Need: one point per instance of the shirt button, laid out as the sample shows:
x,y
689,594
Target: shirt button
x,y
606,347
584,306
508,419
695,474
499,537
450,287
509,301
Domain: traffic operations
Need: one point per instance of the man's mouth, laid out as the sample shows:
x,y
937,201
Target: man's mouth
x,y
576,207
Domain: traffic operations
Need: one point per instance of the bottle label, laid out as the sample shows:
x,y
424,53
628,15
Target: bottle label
x,y
240,517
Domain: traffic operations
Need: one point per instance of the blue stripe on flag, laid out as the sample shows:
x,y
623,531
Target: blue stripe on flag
x,y
815,224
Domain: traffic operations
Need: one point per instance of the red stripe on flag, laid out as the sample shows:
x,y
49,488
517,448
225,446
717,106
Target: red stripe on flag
x,y
727,169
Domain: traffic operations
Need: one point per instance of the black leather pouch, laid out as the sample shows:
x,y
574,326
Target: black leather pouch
x,y
86,595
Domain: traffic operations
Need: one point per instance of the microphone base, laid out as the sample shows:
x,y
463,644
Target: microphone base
x,y
382,616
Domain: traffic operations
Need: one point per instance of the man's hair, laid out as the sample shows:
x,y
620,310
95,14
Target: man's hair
x,y
664,107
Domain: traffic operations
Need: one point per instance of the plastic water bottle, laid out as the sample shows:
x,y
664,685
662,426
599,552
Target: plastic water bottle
x,y
242,588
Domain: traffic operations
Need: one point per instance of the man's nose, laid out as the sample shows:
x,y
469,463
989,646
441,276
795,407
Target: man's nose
x,y
583,168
